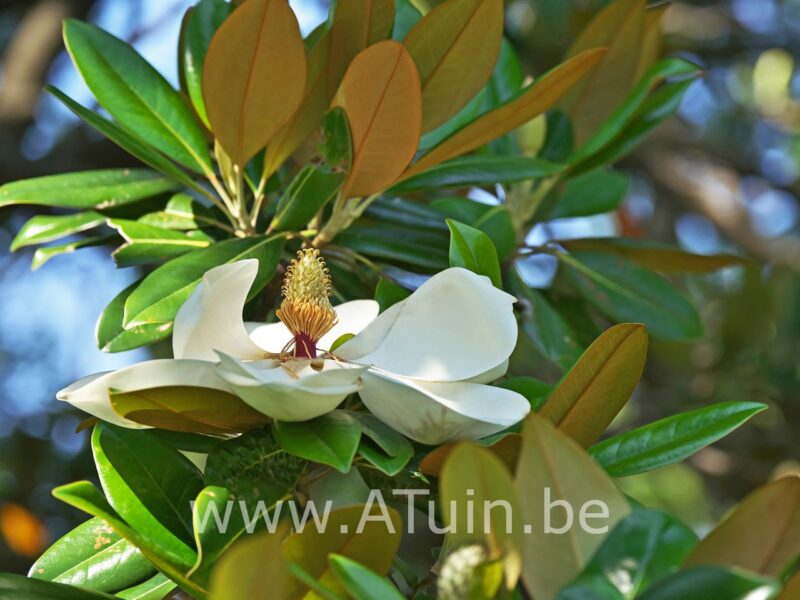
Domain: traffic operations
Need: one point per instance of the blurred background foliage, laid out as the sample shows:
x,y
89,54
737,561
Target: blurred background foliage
x,y
724,175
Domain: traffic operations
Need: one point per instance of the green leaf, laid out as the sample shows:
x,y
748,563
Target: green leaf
x,y
305,196
418,248
551,462
478,170
472,249
43,255
331,439
23,588
125,140
182,212
645,547
110,334
408,213
199,26
656,256
136,95
148,244
156,588
626,292
254,467
388,293
406,16
46,228
559,140
535,391
388,450
86,189
159,296
462,118
337,144
84,496
148,483
360,582
94,557
671,440
703,583
588,398
547,330
494,221
616,122
594,192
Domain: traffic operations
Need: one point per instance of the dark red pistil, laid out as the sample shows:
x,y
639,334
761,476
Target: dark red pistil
x,y
304,346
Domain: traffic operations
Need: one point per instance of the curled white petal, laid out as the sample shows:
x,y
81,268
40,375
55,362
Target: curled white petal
x,y
90,394
456,326
291,391
211,319
437,412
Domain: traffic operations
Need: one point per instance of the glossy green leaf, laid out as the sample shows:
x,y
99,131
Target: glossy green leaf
x,y
594,192
406,16
547,330
494,221
506,82
43,255
148,483
126,140
588,398
762,534
187,409
388,293
472,249
19,587
305,196
627,292
462,118
550,462
94,557
704,583
86,497
331,439
199,26
656,256
146,244
479,170
46,228
110,334
643,548
156,588
136,95
182,212
381,445
407,213
159,296
360,582
474,474
671,440
86,189
418,248
254,467
336,147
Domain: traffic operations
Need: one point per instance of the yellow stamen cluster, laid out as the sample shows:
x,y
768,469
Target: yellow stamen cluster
x,y
306,309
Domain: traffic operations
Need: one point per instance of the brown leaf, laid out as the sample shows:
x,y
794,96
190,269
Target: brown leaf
x,y
254,76
506,449
455,47
597,387
537,99
762,534
382,98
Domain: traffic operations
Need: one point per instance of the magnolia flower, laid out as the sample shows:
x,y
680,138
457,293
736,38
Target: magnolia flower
x,y
421,366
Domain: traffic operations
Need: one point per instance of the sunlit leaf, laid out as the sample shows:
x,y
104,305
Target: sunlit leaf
x,y
381,95
43,255
550,461
254,76
112,336
762,534
455,47
156,588
149,243
494,221
602,381
24,588
310,190
331,439
46,228
360,582
472,249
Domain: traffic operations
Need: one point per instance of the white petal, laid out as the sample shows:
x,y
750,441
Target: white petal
x,y
352,317
434,413
457,325
90,394
293,391
211,319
